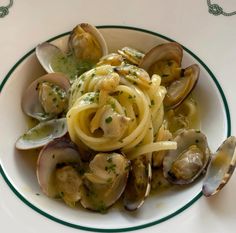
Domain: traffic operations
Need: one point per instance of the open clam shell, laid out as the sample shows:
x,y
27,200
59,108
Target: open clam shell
x,y
184,165
168,52
42,134
58,151
180,89
46,54
87,43
221,167
139,184
30,103
76,55
105,181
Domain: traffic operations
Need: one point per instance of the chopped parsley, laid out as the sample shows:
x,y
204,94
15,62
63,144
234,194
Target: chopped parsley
x,y
111,168
113,105
108,120
101,207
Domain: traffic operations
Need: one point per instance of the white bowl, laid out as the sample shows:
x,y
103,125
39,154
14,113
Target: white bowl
x,y
18,168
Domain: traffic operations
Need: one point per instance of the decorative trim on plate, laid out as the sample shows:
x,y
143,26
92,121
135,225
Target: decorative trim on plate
x,y
4,10
216,10
121,229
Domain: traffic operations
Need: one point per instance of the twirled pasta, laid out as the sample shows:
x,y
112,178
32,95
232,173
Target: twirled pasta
x,y
115,108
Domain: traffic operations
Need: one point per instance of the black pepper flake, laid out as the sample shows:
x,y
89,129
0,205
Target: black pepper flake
x,y
169,63
165,75
182,72
37,86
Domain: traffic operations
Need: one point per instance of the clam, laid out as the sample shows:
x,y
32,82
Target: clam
x,y
87,43
105,181
139,183
42,134
132,56
221,167
134,75
164,60
81,52
189,161
179,89
46,97
59,170
112,59
185,116
46,54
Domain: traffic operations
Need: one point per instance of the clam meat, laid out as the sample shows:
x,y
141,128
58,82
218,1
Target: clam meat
x,y
165,60
105,181
48,97
139,183
76,55
189,161
59,170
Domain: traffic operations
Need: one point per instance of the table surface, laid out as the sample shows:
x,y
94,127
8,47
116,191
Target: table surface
x,y
192,23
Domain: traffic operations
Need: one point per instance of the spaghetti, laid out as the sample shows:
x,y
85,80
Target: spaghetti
x,y
117,108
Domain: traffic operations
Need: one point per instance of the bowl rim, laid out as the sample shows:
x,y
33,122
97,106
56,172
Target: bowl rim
x,y
138,227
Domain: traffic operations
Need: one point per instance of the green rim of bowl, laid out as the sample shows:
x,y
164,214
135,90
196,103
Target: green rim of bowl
x,y
227,113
